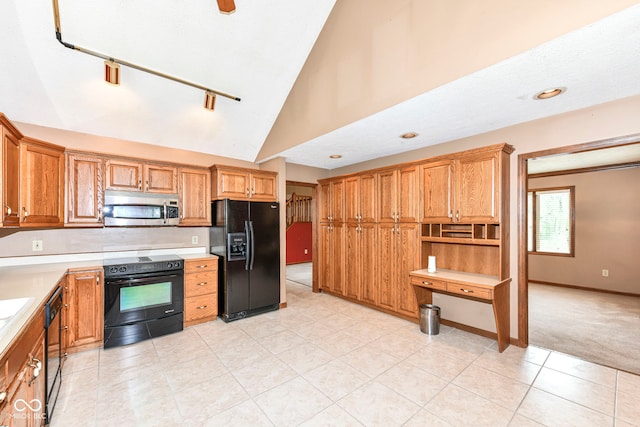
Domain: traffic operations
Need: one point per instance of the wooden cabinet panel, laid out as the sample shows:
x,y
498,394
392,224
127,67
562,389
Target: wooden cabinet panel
x,y
41,184
263,186
9,173
398,195
337,196
352,198
332,261
369,263
324,202
387,275
387,192
437,191
360,198
195,197
123,174
243,184
160,178
84,189
85,308
408,260
200,290
368,199
353,266
477,188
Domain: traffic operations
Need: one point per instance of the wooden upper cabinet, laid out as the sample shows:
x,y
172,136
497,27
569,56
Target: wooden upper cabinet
x,y
398,195
477,188
160,178
360,198
331,205
229,182
84,189
41,184
132,175
263,186
466,189
195,196
437,191
9,173
123,174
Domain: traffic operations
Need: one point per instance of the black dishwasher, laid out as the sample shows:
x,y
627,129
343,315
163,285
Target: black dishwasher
x,y
53,351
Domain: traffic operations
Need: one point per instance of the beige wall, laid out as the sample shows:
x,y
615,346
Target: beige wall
x,y
373,54
607,235
119,147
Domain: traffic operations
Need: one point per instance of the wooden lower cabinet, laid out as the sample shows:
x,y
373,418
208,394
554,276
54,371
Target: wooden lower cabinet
x,y
22,382
200,290
332,257
84,320
398,255
360,268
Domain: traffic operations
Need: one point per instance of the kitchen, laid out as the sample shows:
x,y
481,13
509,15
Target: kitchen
x,y
614,118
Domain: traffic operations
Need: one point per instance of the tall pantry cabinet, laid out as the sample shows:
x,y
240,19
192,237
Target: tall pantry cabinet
x,y
378,226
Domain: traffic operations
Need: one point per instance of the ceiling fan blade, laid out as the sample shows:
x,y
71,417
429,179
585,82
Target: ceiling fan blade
x,y
226,6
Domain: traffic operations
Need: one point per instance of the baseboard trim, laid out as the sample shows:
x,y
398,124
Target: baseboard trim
x,y
584,288
283,305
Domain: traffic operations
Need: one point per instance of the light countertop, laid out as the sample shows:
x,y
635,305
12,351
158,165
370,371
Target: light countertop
x,y
33,282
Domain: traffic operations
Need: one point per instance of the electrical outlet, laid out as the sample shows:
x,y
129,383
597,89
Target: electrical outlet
x,y
605,273
194,240
36,246
306,251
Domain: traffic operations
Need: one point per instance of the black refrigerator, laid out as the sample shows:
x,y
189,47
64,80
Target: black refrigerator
x,y
246,237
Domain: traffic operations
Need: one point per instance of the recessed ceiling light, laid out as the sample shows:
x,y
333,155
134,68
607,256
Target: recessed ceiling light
x,y
335,156
408,135
550,93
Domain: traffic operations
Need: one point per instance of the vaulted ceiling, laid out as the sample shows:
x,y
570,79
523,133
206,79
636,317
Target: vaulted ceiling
x,y
256,54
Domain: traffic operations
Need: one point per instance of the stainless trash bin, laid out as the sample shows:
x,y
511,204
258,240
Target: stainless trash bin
x,y
430,319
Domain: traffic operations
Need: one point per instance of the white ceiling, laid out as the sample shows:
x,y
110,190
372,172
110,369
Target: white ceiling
x,y
596,64
256,54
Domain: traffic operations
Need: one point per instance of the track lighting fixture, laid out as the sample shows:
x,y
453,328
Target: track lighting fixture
x,y
209,100
111,72
112,65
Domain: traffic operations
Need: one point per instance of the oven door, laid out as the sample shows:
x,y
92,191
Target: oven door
x,y
141,298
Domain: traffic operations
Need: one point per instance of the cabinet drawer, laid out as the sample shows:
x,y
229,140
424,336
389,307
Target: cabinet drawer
x,y
200,307
204,282
427,282
469,290
199,265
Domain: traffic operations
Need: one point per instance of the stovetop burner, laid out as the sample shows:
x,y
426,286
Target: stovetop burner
x,y
141,265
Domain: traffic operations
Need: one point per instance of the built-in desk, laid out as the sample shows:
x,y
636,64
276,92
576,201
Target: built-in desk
x,y
479,287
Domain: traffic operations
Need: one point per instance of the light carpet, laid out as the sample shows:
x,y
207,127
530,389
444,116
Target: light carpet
x,y
595,326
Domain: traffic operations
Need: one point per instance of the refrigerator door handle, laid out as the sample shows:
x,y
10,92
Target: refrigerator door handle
x,y
248,249
252,245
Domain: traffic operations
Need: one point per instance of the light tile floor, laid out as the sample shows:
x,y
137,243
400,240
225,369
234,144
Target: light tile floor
x,y
324,361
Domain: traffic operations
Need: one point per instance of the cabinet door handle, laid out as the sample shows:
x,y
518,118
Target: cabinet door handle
x,y
8,209
3,396
457,215
466,291
247,191
202,266
25,213
147,184
139,184
201,307
426,283
202,283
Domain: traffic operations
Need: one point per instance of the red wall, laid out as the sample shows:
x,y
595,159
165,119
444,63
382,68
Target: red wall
x,y
299,240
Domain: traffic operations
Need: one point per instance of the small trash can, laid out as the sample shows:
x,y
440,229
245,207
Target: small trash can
x,y
430,319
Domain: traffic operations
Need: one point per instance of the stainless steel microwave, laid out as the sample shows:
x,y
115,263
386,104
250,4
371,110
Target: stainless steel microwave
x,y
128,208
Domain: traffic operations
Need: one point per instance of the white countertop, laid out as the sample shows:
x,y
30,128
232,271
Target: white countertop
x,y
460,277
35,281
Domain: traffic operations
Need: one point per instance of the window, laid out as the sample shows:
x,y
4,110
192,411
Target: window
x,y
550,217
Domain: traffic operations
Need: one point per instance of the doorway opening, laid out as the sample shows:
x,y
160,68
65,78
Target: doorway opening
x,y
556,289
300,213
